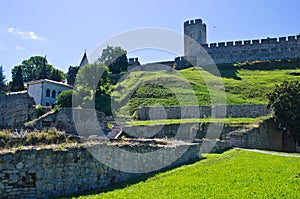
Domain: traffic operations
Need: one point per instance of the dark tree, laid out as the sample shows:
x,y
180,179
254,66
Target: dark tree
x,y
57,75
18,83
71,74
115,58
2,80
285,102
44,73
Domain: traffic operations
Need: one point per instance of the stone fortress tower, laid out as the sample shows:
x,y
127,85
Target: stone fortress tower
x,y
193,30
233,51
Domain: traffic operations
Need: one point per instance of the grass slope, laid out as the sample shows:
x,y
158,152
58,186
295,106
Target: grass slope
x,y
233,174
244,83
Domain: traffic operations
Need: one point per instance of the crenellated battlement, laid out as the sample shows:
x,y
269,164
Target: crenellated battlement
x,y
280,40
236,51
193,22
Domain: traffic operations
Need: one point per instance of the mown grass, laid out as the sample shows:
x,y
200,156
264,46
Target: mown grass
x,y
231,121
244,83
233,174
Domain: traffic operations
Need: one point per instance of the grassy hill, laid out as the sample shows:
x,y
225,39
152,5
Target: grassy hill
x,y
233,174
244,83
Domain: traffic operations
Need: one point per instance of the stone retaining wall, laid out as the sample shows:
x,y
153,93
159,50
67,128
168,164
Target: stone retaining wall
x,y
176,112
171,130
266,135
49,173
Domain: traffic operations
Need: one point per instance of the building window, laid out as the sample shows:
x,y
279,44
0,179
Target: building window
x,y
53,94
48,92
47,104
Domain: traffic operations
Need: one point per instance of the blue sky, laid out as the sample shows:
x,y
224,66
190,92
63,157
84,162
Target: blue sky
x,y
63,29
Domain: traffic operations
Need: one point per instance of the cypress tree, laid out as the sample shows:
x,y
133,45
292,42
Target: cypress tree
x,y
18,83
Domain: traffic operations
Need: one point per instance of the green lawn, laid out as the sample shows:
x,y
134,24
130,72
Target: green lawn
x,y
233,174
231,121
243,85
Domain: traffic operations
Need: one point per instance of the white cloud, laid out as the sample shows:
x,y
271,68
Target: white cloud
x,y
11,30
18,48
26,35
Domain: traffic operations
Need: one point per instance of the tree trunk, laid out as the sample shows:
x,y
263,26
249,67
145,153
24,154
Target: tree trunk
x,y
288,141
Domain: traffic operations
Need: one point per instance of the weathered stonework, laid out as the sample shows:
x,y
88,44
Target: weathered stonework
x,y
64,120
15,109
171,130
266,135
49,173
176,112
195,45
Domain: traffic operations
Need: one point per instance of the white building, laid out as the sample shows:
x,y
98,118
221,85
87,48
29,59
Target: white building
x,y
45,91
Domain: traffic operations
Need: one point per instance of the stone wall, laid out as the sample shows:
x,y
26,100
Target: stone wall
x,y
64,120
259,49
15,109
236,51
171,131
49,173
175,112
265,136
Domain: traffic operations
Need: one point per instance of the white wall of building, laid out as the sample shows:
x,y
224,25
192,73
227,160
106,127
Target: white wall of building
x,y
35,91
45,92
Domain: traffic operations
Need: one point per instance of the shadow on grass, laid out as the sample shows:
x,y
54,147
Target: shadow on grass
x,y
231,70
136,180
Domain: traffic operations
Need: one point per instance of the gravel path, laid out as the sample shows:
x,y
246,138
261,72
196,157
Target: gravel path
x,y
273,153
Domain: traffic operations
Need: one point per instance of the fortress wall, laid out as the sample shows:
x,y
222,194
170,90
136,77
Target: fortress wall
x,y
248,50
49,173
15,109
234,51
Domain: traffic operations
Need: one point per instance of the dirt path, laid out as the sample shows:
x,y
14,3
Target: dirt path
x,y
273,153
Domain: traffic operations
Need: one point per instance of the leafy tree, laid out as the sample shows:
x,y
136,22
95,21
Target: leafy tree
x,y
115,58
2,80
18,83
64,99
88,83
71,74
285,102
37,67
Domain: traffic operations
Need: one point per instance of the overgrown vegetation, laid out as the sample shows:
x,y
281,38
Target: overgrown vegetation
x,y
285,101
233,174
244,83
12,139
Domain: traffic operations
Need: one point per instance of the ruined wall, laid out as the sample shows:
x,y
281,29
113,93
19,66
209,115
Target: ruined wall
x,y
171,130
64,120
49,173
266,136
15,109
175,112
